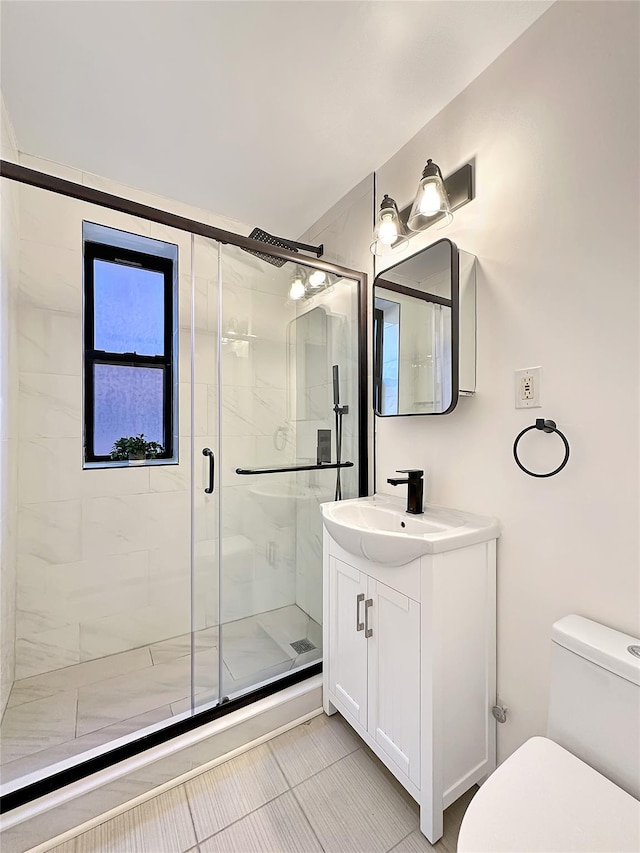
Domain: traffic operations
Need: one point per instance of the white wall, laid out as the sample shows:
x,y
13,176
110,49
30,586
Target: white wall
x,y
10,224
552,126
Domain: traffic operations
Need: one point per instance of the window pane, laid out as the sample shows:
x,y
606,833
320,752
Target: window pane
x,y
128,309
127,401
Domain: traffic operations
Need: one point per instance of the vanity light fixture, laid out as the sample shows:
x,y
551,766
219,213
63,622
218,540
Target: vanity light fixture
x,y
435,200
304,285
389,232
297,289
317,279
431,199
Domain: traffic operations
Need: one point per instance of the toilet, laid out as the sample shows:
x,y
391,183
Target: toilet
x,y
578,789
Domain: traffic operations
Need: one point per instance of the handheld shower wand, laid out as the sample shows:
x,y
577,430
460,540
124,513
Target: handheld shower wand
x,y
339,412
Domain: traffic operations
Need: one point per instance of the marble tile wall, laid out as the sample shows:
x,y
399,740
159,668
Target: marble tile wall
x,y
9,216
104,555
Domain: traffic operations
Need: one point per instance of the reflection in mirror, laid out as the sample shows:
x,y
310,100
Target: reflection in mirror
x,y
416,334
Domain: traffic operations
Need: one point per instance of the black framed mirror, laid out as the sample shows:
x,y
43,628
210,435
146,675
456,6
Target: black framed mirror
x,y
416,333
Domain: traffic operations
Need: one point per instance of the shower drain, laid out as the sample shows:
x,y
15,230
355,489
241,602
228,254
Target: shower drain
x,y
302,646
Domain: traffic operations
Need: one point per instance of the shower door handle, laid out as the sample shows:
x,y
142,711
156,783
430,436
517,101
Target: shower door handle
x,y
212,468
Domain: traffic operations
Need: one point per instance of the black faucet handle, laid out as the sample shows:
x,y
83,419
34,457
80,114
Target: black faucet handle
x,y
414,473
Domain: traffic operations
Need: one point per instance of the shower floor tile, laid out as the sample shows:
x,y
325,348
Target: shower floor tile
x,y
37,725
57,715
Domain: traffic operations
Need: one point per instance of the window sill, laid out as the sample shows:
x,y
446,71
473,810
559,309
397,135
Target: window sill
x,y
137,463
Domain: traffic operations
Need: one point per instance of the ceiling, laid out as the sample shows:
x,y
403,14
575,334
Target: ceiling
x,y
267,112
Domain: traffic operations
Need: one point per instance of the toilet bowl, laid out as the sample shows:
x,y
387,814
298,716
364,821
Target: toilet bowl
x,y
578,789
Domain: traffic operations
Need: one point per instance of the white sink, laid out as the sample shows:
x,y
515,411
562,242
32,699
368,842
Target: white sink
x,y
379,529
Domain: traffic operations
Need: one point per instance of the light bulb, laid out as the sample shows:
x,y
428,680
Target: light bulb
x,y
296,291
317,278
430,200
387,230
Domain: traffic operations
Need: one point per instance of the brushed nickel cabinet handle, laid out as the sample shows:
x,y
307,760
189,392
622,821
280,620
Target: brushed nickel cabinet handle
x,y
368,632
359,600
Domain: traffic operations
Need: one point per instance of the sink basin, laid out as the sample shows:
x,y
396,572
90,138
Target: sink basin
x,y
379,529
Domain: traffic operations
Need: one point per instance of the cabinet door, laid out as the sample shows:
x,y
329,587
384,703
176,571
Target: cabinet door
x,y
347,644
394,677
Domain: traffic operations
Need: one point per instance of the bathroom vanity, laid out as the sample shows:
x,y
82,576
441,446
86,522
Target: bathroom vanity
x,y
409,639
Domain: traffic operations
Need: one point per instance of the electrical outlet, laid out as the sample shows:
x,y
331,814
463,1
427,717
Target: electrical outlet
x,y
528,388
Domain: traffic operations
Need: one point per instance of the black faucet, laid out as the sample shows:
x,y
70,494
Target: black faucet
x,y
415,489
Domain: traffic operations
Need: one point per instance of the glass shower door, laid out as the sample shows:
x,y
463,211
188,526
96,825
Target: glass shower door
x,y
277,354
203,359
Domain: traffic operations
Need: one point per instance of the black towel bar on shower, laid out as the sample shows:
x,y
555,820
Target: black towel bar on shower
x,y
284,469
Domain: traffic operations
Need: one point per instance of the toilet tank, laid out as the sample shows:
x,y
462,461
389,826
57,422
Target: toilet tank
x,y
594,705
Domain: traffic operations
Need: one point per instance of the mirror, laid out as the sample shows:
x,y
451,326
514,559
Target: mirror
x,y
416,332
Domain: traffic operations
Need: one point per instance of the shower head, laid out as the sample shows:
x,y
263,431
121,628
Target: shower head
x,y
281,243
259,234
336,385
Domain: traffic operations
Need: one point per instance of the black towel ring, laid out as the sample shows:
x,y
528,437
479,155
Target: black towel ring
x,y
545,426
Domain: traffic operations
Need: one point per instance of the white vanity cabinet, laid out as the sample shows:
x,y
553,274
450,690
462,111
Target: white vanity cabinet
x,y
410,664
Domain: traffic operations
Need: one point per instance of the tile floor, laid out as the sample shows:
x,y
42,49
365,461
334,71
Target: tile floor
x,y
59,714
314,788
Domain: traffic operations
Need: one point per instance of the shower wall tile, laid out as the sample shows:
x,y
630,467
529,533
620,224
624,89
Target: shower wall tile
x,y
170,577
50,470
171,478
252,411
40,617
252,312
51,531
236,505
114,482
47,650
202,321
49,219
50,406
50,277
201,409
205,358
82,585
119,524
205,257
182,240
205,584
49,342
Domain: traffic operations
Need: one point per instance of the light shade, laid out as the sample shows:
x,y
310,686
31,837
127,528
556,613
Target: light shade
x,y
297,289
317,279
431,202
389,232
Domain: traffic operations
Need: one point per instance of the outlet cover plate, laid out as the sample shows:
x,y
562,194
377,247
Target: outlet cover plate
x,y
528,388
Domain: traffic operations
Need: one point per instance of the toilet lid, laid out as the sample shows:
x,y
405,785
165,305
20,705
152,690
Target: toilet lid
x,y
543,798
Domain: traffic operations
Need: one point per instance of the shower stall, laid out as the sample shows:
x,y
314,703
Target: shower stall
x,y
143,593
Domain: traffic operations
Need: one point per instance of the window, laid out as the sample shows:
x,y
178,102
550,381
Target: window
x,y
129,359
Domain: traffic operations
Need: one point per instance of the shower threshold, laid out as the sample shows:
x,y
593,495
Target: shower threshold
x,y
61,714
